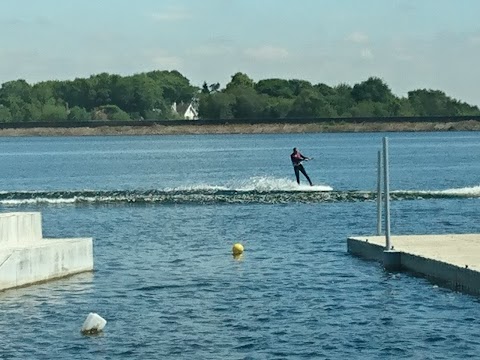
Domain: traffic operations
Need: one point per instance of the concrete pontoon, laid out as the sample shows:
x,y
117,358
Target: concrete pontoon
x,y
452,260
27,258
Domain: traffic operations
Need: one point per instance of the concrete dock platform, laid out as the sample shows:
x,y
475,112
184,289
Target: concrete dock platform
x,y
27,258
451,260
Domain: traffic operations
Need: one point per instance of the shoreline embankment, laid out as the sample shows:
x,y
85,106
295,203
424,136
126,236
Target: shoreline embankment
x,y
242,128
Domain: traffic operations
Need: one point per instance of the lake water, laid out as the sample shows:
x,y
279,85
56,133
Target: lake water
x,y
165,211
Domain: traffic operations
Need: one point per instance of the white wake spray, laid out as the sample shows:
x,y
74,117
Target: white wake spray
x,y
467,191
256,183
473,191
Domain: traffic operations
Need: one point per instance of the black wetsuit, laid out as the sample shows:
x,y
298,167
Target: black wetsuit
x,y
297,159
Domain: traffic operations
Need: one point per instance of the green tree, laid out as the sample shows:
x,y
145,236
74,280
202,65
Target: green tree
x,y
102,87
5,114
22,111
310,103
405,108
15,106
53,112
297,86
248,104
78,113
44,91
151,95
157,114
325,90
174,86
18,89
138,94
370,108
216,106
215,87
435,103
341,100
205,89
79,92
275,87
239,80
277,107
32,112
110,112
373,89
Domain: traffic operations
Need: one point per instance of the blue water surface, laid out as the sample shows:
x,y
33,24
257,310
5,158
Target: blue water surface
x,y
165,279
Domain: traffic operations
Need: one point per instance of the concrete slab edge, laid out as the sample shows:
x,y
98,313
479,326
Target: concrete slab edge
x,y
447,275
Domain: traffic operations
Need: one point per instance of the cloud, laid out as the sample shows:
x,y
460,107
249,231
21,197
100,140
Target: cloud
x,y
164,60
211,50
171,14
474,39
406,7
41,21
366,54
357,38
266,53
402,54
214,47
44,21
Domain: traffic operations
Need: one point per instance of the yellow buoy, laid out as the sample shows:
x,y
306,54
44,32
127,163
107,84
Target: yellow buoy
x,y
237,249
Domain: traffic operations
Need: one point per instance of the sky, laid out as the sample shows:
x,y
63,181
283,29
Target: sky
x,y
410,44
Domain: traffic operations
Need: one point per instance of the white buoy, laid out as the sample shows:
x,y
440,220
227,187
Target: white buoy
x,y
93,324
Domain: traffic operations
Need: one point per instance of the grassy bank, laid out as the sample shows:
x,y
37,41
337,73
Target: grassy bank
x,y
470,125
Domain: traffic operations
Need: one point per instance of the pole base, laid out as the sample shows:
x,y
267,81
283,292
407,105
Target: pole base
x,y
392,260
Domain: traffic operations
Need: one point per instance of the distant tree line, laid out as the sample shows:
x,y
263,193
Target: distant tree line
x,y
99,97
278,98
150,95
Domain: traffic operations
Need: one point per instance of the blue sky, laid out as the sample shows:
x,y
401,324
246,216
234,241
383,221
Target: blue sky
x,y
410,44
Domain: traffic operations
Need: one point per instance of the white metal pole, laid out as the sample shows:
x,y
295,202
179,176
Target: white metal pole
x,y
386,181
379,194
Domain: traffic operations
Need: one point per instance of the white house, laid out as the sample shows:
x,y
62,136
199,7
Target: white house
x,y
186,111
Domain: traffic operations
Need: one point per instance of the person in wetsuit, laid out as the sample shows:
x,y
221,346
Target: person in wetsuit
x,y
297,159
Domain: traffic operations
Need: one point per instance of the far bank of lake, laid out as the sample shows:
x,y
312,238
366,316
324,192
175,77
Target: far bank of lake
x,y
468,125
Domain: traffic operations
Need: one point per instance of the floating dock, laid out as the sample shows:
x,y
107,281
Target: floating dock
x,y
450,260
27,258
